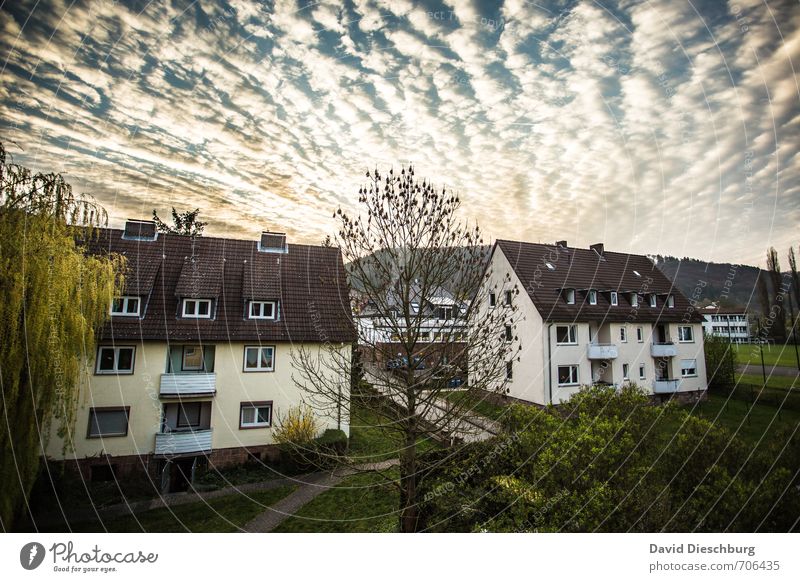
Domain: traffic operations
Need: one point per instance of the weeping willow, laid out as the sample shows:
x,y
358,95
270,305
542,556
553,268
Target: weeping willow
x,y
53,297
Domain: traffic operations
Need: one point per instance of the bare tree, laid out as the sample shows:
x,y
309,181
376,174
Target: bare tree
x,y
408,249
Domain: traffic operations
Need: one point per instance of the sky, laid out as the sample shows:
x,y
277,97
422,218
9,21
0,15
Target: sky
x,y
666,127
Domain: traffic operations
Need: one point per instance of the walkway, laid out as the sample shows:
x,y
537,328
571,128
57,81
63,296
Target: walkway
x,y
755,369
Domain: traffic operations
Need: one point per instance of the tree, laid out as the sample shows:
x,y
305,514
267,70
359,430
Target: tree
x,y
777,313
54,297
184,223
720,363
403,251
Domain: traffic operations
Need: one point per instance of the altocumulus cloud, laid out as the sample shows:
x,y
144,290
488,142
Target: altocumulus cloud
x,y
666,127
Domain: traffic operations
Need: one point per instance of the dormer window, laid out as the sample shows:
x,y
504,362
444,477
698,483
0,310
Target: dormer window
x,y
262,310
569,295
634,300
445,313
141,230
125,306
670,301
592,297
415,308
614,298
273,242
197,308
653,300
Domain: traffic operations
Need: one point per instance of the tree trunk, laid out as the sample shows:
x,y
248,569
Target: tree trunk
x,y
409,514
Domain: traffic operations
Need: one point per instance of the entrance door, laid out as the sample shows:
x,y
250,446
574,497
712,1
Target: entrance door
x,y
181,474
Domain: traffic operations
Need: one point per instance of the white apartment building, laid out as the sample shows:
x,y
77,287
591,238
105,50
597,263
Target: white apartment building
x,y
587,316
729,323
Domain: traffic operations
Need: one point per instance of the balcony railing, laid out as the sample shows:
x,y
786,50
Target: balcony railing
x,y
192,384
665,386
181,442
602,351
663,350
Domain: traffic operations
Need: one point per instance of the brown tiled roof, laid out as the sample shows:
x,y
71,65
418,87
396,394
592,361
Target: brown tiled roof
x,y
584,269
309,282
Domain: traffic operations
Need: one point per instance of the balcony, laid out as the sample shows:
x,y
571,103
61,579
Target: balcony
x,y
665,386
192,384
663,350
182,442
602,351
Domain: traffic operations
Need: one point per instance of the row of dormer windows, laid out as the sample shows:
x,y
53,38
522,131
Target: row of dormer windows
x,y
130,306
569,296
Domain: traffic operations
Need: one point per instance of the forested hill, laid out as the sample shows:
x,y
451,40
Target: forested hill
x,y
739,280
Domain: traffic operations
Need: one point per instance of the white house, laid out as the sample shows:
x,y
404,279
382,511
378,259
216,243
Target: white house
x,y
589,316
731,324
195,363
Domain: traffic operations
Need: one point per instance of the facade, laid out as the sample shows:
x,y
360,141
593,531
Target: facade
x,y
195,364
588,316
729,323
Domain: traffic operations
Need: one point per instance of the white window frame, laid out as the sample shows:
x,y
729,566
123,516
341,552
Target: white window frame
x,y
572,335
492,299
614,298
125,303
682,338
258,367
201,367
639,334
653,300
110,409
692,367
116,370
626,372
261,305
570,296
592,297
573,368
623,334
196,314
642,372
254,406
670,301
634,300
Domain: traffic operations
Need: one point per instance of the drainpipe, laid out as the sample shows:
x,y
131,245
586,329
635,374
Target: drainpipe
x,y
549,365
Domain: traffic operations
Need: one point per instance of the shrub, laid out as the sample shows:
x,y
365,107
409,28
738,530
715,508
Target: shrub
x,y
295,433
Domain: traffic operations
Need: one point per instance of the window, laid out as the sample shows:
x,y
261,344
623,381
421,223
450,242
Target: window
x,y
425,336
115,360
623,334
197,308
634,300
509,335
550,266
688,368
192,360
637,273
262,310
189,414
568,375
566,334
255,414
653,300
509,370
126,306
509,297
444,313
614,298
259,358
625,372
685,334
569,294
641,372
592,297
670,301
492,299
106,422
639,334
415,308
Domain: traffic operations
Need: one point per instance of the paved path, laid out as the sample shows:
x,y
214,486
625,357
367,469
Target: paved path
x,y
755,369
317,484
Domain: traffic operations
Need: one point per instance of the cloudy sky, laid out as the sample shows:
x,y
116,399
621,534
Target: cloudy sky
x,y
666,127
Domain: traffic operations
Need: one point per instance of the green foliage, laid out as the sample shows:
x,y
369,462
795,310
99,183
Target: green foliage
x,y
611,461
53,299
332,442
720,363
184,223
295,433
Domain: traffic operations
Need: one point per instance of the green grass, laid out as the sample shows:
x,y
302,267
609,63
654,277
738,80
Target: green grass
x,y
773,381
477,404
749,421
372,438
780,355
361,503
223,514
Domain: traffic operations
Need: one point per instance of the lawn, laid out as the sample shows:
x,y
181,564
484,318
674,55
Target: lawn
x,y
477,404
222,514
749,421
773,381
774,355
361,503
372,438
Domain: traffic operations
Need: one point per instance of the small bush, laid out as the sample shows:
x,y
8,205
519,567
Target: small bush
x,y
333,442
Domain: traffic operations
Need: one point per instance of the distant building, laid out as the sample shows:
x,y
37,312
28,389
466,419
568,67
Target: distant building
x,y
590,316
730,323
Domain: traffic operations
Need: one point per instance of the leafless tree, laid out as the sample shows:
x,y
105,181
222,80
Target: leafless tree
x,y
406,246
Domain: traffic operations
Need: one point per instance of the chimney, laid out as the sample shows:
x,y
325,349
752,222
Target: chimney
x,y
140,230
598,248
561,243
273,242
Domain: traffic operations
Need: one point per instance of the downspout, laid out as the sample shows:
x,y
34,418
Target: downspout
x,y
549,366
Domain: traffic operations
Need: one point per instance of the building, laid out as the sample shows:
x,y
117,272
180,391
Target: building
x,y
587,316
194,365
729,323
